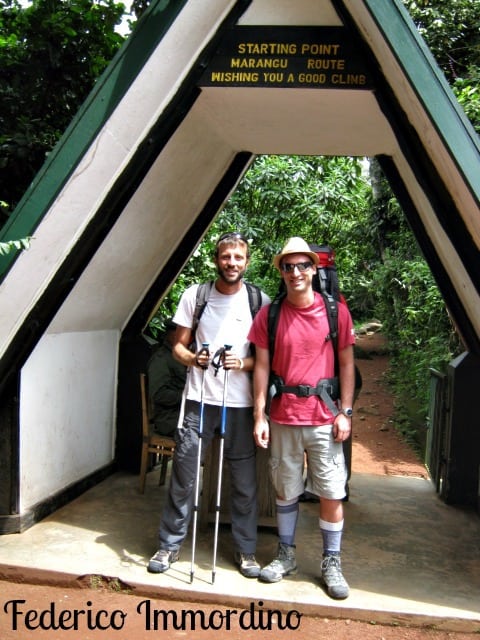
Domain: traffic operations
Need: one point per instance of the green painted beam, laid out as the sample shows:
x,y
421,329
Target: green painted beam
x,y
95,111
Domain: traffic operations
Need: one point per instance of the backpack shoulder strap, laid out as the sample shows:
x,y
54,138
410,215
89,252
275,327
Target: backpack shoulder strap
x,y
331,306
272,323
203,293
254,298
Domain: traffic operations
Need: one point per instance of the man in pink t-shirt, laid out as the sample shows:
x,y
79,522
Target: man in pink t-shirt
x,y
310,413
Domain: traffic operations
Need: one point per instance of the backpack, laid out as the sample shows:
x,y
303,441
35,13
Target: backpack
x,y
324,282
203,293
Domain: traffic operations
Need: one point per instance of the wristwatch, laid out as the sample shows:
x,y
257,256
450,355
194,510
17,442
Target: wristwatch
x,y
348,411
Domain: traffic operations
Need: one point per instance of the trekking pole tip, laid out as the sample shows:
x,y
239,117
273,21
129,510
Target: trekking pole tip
x,y
213,577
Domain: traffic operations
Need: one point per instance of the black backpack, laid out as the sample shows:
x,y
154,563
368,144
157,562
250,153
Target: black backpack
x,y
325,282
203,293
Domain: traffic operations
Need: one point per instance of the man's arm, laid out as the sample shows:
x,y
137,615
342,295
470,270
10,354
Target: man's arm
x,y
342,425
261,371
347,376
180,350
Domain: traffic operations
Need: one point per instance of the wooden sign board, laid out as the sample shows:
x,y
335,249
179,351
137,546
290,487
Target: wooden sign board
x,y
289,57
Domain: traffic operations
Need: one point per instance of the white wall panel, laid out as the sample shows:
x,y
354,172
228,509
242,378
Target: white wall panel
x,y
67,412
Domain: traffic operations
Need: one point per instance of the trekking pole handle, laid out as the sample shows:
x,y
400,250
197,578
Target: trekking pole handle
x,y
226,347
218,360
203,351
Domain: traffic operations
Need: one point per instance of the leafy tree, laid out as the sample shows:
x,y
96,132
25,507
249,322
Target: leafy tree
x,y
51,53
415,319
11,245
420,332
450,28
468,95
324,200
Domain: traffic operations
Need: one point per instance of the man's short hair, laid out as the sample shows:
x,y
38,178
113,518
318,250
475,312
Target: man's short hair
x,y
232,237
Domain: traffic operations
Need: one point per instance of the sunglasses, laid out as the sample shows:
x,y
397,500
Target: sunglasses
x,y
232,235
289,267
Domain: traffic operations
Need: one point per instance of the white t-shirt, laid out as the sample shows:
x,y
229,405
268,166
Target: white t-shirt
x,y
226,320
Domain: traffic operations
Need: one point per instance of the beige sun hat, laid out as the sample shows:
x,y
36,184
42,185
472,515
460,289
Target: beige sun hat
x,y
295,245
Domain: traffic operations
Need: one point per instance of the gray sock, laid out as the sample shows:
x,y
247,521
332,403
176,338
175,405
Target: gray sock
x,y
332,537
287,516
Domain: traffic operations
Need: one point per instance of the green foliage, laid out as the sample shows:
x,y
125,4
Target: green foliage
x,y
420,335
450,28
381,271
468,95
415,320
11,245
51,53
323,200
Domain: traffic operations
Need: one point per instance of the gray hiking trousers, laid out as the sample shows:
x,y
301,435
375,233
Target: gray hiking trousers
x,y
239,451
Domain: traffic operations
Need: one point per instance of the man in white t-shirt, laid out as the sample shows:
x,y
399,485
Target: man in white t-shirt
x,y
225,320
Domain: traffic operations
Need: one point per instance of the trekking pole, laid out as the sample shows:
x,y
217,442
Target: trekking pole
x,y
220,463
203,350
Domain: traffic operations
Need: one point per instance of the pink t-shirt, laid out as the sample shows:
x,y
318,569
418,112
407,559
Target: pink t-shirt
x,y
305,356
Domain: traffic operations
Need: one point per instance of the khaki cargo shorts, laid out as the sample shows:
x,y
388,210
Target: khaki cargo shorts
x,y
293,448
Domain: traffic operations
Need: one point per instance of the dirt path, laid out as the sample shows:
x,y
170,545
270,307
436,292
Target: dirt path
x,y
376,449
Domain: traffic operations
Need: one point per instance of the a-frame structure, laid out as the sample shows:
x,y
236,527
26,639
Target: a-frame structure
x,y
170,128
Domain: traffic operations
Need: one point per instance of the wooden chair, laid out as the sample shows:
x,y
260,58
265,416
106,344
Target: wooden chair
x,y
152,442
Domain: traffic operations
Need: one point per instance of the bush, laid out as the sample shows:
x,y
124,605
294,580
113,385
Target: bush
x,y
420,336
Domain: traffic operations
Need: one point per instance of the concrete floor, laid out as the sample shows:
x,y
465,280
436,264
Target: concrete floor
x,y
408,557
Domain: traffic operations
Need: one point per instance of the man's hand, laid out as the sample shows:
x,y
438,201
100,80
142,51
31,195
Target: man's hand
x,y
202,358
231,360
342,428
261,433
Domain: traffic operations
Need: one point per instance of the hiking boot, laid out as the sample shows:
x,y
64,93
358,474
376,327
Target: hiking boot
x,y
284,564
247,565
162,560
333,579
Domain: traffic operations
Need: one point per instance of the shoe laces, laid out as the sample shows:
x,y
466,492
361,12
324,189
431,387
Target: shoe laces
x,y
248,556
331,561
331,566
284,553
281,559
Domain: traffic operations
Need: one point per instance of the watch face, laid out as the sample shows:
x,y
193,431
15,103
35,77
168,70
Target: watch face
x,y
348,412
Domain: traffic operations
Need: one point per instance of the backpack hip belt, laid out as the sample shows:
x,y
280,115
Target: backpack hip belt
x,y
327,389
326,385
